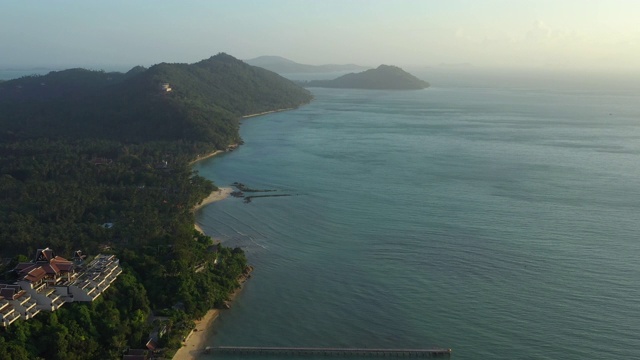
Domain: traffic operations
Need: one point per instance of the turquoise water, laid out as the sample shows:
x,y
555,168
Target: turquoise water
x,y
501,222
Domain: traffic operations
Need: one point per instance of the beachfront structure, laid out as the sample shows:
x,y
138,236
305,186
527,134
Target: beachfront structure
x,y
50,281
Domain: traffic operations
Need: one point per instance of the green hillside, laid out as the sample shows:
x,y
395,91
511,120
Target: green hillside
x,y
384,77
80,149
285,66
205,103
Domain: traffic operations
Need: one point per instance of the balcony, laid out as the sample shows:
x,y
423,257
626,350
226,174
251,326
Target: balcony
x,y
24,299
53,296
56,304
8,315
33,312
40,287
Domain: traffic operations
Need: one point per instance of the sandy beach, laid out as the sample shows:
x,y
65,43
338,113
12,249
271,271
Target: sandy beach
x,y
265,113
200,158
197,339
220,194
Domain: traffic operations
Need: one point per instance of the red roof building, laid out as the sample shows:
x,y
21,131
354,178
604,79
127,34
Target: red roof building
x,y
50,281
47,267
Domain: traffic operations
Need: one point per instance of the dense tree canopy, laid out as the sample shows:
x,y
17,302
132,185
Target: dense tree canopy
x,y
384,77
205,103
89,148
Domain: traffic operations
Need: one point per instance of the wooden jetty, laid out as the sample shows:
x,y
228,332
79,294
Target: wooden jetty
x,y
307,351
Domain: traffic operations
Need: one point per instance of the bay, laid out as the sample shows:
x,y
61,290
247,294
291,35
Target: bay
x,y
498,220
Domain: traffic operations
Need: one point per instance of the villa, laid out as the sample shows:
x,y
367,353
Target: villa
x,y
21,301
7,313
50,281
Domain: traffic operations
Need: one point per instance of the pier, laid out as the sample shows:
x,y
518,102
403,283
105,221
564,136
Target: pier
x,y
310,351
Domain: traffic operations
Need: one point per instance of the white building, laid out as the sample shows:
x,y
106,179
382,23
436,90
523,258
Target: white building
x,y
50,281
20,300
7,313
165,87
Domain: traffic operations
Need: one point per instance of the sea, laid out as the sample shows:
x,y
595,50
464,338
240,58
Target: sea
x,y
495,213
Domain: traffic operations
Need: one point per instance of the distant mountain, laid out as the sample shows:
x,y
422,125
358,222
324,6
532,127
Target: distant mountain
x,y
193,102
281,65
383,77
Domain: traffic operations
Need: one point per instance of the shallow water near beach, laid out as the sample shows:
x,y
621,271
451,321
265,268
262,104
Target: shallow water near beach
x,y
499,221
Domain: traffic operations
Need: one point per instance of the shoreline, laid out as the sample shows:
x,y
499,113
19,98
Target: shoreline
x,y
216,195
196,342
206,156
266,113
224,192
232,147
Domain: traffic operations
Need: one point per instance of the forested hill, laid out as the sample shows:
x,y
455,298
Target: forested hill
x,y
381,78
205,102
286,66
100,162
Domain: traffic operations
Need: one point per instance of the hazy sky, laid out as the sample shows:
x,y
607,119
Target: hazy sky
x,y
542,33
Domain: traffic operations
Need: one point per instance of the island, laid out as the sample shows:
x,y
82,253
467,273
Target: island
x,y
282,65
101,162
384,77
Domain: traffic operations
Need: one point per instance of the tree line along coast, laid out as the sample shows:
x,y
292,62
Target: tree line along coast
x,y
101,162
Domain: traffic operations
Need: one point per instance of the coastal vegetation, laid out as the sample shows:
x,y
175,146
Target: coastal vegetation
x,y
81,149
384,77
204,102
285,66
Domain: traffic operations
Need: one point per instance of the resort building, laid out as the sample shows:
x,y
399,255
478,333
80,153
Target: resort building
x,y
50,281
7,313
21,301
166,87
94,279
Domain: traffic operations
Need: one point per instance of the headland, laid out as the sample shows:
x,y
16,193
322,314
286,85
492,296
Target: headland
x,y
124,142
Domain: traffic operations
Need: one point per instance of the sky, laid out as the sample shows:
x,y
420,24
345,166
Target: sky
x,y
563,34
